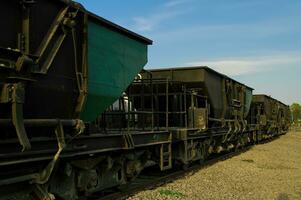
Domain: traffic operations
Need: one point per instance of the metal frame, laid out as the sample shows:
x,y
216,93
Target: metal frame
x,y
149,92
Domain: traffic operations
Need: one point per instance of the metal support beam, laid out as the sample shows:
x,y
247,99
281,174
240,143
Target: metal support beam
x,y
44,175
14,94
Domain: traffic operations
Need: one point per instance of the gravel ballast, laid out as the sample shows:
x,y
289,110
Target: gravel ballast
x,y
266,171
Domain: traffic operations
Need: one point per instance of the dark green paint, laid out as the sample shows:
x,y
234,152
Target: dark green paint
x,y
113,61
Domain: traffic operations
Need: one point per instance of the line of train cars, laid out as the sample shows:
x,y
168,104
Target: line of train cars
x,y
63,137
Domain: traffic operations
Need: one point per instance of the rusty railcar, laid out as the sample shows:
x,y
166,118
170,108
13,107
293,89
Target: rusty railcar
x,y
270,115
205,111
227,101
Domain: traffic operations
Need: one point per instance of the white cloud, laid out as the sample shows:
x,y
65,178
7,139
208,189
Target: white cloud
x,y
143,24
250,65
243,32
173,3
167,11
150,22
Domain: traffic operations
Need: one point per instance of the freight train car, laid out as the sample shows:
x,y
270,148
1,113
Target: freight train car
x,y
270,115
63,137
205,111
61,67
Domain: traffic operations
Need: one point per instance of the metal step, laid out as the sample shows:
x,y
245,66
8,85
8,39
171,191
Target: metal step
x,y
165,156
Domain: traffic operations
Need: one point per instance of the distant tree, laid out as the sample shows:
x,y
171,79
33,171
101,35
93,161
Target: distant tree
x,y
296,111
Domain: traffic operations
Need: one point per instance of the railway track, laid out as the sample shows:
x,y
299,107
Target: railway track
x,y
150,180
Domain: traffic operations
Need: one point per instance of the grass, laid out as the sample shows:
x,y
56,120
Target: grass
x,y
171,193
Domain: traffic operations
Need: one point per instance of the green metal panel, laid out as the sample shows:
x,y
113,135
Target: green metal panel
x,y
114,59
248,100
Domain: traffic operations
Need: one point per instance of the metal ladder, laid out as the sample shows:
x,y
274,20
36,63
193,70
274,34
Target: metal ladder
x,y
165,156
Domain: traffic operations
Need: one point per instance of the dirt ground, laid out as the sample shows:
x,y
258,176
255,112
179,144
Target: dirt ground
x,y
267,171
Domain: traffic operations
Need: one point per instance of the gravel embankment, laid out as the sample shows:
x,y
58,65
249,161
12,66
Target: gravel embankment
x,y
268,171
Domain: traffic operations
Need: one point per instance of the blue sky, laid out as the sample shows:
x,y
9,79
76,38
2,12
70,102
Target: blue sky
x,y
257,42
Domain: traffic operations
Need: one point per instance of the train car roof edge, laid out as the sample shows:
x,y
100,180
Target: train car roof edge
x,y
120,29
268,96
109,24
198,67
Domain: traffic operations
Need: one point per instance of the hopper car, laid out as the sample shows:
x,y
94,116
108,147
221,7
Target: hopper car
x,y
270,115
80,116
